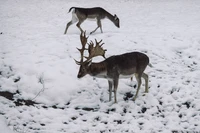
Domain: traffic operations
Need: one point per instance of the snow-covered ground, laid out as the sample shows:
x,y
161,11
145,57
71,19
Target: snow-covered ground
x,y
37,63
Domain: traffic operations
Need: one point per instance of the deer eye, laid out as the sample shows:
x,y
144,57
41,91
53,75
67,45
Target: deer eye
x,y
83,69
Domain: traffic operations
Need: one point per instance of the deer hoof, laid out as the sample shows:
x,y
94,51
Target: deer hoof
x,y
144,93
91,32
134,99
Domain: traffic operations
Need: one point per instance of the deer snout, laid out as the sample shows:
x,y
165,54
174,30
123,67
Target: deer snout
x,y
117,25
79,76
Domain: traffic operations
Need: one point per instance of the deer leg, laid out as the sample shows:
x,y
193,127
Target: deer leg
x,y
74,20
146,78
98,25
115,88
110,89
138,78
78,25
93,31
67,26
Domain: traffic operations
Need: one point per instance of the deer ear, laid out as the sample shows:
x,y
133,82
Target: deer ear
x,y
115,17
89,62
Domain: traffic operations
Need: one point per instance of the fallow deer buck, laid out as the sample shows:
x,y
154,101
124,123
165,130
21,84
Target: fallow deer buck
x,y
81,14
112,68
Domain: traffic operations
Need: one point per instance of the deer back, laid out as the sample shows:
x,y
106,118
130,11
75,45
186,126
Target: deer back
x,y
127,64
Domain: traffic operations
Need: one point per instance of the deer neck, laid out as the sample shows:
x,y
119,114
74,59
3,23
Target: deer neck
x,y
98,70
109,16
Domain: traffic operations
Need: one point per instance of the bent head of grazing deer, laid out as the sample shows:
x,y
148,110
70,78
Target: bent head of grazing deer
x,y
114,67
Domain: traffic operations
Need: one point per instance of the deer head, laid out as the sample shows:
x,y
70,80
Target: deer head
x,y
93,51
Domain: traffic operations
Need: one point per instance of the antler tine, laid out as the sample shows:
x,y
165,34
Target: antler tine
x,y
91,43
98,43
77,62
102,44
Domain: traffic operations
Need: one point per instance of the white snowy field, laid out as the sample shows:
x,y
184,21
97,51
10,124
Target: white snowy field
x,y
37,63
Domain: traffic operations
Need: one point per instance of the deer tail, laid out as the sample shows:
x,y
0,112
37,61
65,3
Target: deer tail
x,y
71,9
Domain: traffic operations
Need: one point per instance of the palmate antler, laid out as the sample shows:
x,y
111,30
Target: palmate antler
x,y
96,50
93,51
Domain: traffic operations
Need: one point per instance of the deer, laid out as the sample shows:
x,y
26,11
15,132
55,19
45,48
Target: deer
x,y
112,68
81,14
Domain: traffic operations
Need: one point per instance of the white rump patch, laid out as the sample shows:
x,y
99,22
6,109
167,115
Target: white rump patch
x,y
74,17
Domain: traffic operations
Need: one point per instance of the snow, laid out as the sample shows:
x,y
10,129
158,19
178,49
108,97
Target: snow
x,y
3,126
34,50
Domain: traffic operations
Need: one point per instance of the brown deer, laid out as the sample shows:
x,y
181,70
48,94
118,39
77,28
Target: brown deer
x,y
81,14
112,68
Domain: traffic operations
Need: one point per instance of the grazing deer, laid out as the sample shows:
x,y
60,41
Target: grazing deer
x,y
114,67
81,14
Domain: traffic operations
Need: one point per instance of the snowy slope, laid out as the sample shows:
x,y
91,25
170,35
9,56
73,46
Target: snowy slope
x,y
37,63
